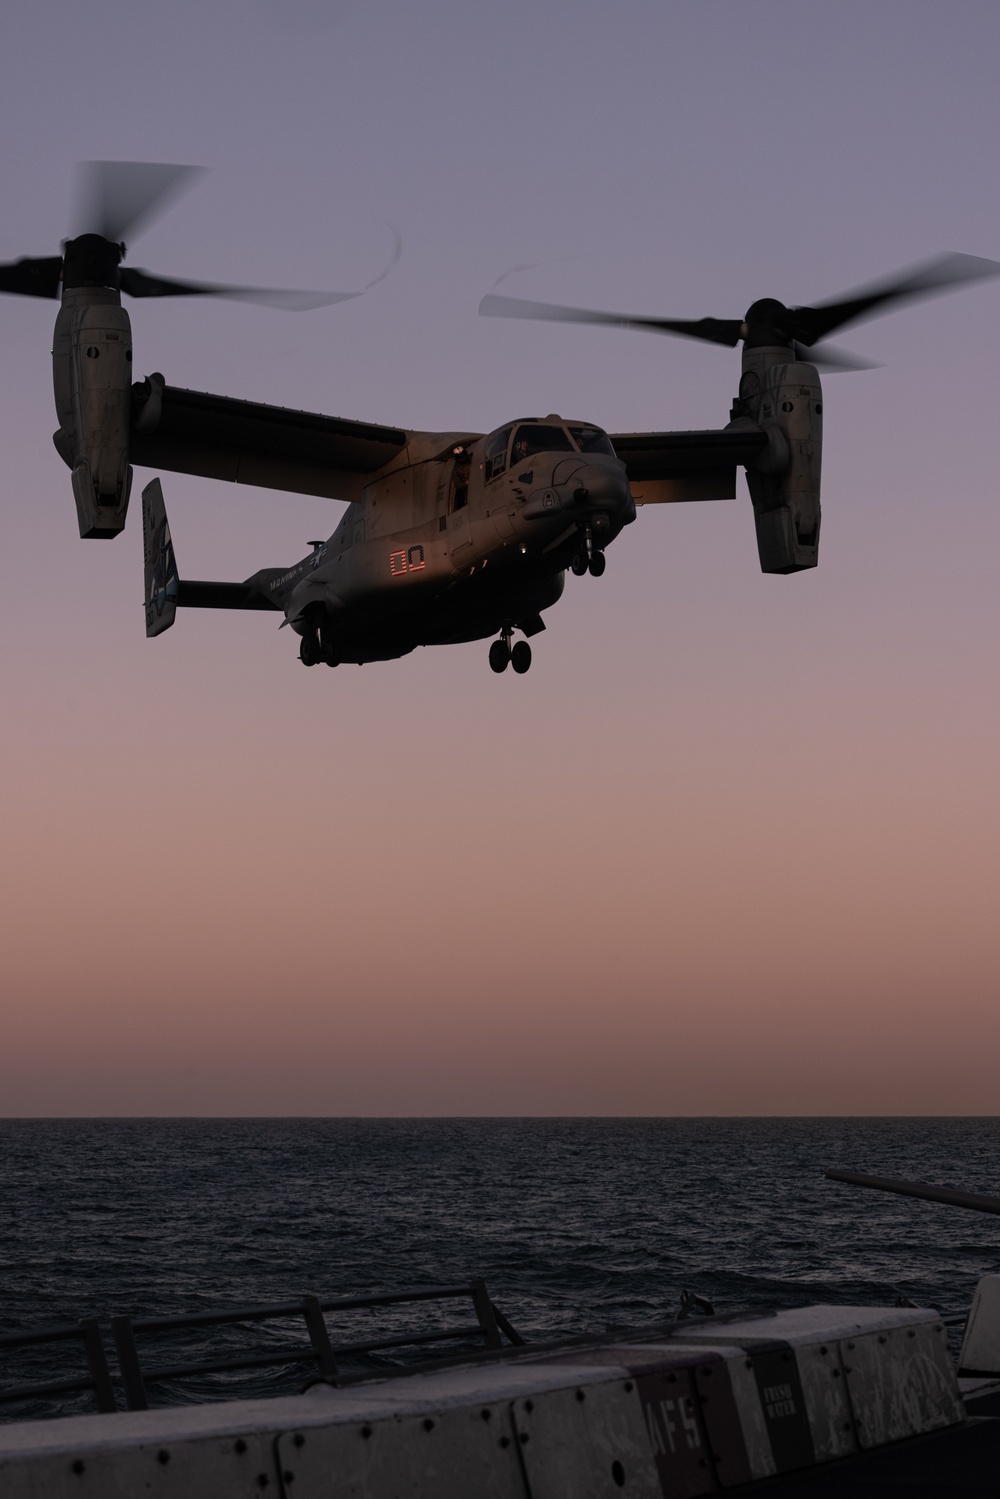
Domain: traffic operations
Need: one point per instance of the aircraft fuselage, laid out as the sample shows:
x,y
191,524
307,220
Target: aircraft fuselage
x,y
456,539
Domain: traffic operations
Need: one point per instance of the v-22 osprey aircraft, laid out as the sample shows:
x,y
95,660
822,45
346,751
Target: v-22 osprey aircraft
x,y
448,536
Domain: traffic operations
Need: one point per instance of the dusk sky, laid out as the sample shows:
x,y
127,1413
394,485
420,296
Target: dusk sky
x,y
733,845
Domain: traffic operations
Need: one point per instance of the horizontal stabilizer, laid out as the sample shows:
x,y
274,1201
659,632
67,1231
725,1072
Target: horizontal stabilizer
x,y
165,591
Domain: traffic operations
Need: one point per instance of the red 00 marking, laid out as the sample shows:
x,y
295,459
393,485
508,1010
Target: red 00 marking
x,y
408,561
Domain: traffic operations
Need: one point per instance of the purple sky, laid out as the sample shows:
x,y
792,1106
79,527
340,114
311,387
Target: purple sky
x,y
732,846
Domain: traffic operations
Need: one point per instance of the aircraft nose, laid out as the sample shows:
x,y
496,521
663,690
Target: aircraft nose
x,y
580,486
601,486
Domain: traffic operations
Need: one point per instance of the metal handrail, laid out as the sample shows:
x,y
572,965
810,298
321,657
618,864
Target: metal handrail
x,y
300,1355
98,1378
490,1326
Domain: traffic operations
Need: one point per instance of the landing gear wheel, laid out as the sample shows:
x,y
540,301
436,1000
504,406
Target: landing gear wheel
x,y
520,657
328,648
598,563
309,652
500,654
579,564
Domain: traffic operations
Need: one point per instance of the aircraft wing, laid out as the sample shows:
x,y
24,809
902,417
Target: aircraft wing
x,y
670,467
189,432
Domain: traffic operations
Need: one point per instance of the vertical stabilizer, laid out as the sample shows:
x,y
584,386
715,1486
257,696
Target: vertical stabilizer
x,y
162,586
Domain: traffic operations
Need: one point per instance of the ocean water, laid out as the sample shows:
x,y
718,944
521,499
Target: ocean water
x,y
575,1224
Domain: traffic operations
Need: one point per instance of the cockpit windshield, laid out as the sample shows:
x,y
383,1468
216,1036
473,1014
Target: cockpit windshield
x,y
592,440
539,439
496,452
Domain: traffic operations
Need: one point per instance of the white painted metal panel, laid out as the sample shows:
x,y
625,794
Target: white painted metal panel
x,y
467,1384
586,1443
455,1454
218,1468
827,1405
901,1382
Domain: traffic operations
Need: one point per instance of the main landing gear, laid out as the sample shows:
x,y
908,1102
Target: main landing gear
x,y
502,653
588,558
314,647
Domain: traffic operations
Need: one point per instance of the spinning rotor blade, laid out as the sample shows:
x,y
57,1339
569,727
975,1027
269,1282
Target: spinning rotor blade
x,y
769,321
141,284
714,330
32,278
834,361
809,324
116,197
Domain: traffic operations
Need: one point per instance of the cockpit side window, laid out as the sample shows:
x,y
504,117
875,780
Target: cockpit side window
x,y
496,453
537,439
592,440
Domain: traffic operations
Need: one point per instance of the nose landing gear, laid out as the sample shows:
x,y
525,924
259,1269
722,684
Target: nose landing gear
x,y
588,556
502,653
520,657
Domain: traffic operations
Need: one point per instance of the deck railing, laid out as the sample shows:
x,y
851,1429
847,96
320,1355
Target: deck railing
x,y
131,1336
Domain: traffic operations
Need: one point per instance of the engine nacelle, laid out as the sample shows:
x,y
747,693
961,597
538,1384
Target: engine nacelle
x,y
785,399
92,372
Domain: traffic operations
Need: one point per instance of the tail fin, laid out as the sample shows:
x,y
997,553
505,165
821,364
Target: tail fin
x,y
162,583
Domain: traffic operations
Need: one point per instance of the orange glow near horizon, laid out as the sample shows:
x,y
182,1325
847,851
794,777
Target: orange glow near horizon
x,y
732,914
